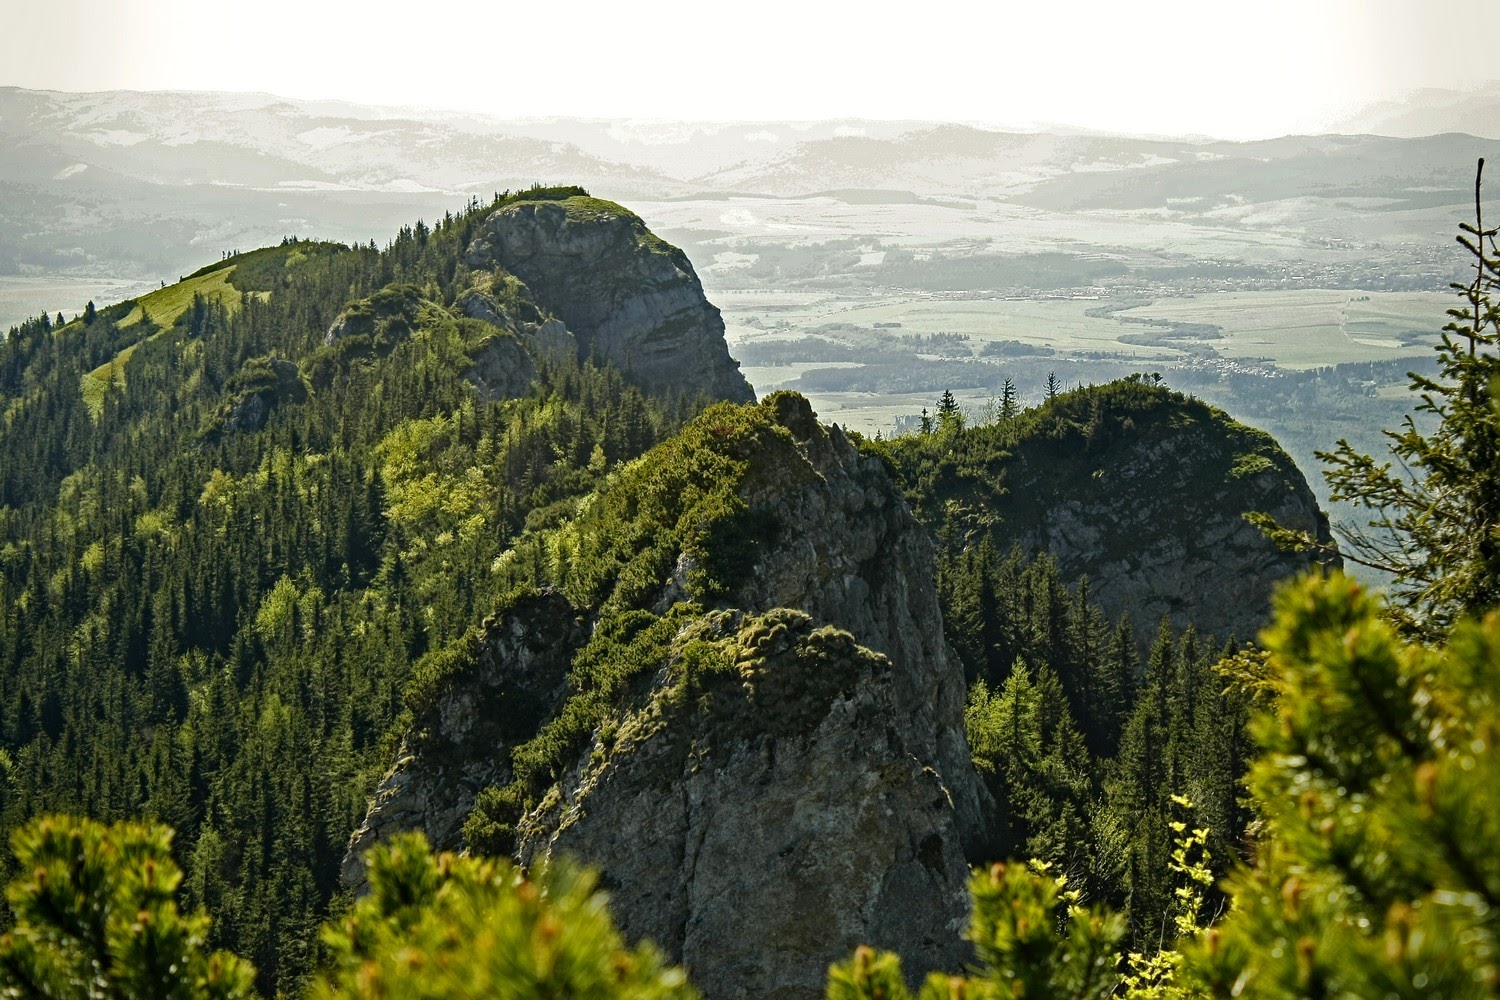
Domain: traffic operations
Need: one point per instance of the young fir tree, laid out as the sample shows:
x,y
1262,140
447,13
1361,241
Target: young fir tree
x,y
1010,405
1378,785
950,418
96,919
443,926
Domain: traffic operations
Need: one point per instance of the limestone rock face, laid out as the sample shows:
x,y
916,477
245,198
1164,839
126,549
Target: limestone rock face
x,y
1216,572
460,741
505,367
758,840
758,856
788,780
1144,492
851,552
477,304
502,369
550,339
623,293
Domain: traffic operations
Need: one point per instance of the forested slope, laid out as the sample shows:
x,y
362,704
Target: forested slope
x,y
292,483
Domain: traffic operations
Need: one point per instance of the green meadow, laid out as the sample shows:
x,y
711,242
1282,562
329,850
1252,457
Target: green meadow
x,y
153,313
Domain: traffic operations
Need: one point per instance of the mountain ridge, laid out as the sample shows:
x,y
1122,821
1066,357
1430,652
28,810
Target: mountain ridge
x,y
86,175
302,540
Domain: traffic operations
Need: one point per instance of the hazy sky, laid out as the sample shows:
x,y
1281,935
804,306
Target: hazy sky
x,y
1236,70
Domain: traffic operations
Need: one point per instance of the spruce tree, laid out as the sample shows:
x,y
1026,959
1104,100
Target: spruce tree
x,y
1435,516
1009,403
949,416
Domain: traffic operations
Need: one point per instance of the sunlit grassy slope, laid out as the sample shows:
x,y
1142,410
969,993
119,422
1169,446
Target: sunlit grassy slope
x,y
165,306
153,313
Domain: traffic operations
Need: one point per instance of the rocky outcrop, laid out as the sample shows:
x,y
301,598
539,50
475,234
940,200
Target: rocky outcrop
x,y
575,277
385,318
505,366
1144,491
1157,546
256,389
476,303
764,826
550,339
758,856
502,369
466,721
626,295
788,777
850,552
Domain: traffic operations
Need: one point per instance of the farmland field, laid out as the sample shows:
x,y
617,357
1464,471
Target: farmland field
x,y
1293,329
1062,324
1259,332
1308,328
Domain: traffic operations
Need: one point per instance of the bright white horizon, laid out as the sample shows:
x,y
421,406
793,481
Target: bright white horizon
x,y
1153,67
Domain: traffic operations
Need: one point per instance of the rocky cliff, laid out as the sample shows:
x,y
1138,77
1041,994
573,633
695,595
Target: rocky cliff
x,y
1140,489
626,295
1152,512
734,696
516,672
772,768
558,273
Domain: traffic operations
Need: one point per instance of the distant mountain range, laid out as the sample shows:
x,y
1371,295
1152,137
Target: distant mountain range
x,y
1431,111
145,186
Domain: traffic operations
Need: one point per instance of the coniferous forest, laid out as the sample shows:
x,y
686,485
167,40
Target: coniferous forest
x,y
238,552
213,630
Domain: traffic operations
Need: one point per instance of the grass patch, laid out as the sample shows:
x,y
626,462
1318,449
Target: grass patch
x,y
93,389
589,209
155,313
584,208
166,306
96,383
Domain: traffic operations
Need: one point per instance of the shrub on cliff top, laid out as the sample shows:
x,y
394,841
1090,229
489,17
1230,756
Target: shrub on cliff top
x,y
681,497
